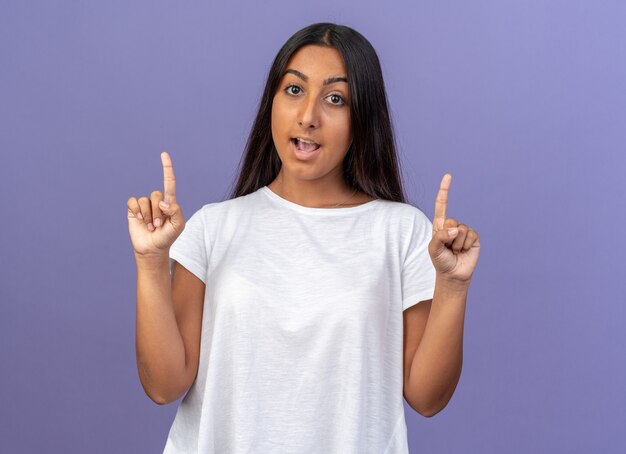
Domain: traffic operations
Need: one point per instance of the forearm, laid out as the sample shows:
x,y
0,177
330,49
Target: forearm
x,y
159,344
436,365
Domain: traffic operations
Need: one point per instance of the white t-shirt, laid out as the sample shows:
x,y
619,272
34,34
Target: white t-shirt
x,y
302,328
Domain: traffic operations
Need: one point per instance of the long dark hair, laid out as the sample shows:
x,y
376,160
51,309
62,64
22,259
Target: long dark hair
x,y
371,164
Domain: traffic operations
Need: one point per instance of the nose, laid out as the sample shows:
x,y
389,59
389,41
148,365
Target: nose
x,y
308,116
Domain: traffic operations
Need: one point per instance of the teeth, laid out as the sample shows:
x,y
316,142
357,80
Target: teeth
x,y
306,141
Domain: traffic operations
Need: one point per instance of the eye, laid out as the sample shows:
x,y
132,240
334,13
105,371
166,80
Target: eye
x,y
293,89
336,100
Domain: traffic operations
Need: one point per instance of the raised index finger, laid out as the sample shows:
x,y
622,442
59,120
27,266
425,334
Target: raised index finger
x,y
169,180
441,203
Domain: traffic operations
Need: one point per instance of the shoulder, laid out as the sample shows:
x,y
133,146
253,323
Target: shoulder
x,y
236,204
404,225
404,214
227,210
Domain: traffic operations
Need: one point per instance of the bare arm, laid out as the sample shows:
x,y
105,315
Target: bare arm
x,y
436,364
169,320
169,312
435,367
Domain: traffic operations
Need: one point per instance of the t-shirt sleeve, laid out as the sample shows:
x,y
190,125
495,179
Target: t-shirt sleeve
x,y
418,272
190,248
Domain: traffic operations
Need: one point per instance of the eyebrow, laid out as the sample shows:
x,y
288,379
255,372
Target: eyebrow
x,y
304,77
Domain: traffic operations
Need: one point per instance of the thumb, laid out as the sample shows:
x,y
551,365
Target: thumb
x,y
174,213
441,238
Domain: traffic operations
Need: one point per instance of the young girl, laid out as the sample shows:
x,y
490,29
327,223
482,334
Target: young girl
x,y
292,316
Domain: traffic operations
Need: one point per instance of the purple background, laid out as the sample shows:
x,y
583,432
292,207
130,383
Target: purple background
x,y
523,101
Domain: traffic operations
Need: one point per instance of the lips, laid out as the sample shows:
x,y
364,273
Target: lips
x,y
305,145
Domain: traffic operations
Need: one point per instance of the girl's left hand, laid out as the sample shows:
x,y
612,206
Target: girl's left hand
x,y
454,253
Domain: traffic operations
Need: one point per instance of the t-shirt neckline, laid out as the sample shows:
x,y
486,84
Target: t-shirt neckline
x,y
320,211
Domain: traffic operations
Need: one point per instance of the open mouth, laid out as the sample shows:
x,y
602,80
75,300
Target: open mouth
x,y
305,146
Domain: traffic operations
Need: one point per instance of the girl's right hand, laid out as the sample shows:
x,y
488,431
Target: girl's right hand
x,y
154,223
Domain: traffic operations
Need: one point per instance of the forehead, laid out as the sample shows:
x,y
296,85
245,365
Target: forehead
x,y
317,62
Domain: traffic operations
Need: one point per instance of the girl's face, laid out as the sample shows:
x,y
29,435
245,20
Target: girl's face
x,y
311,116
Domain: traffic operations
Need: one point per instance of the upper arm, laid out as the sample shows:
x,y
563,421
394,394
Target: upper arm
x,y
415,318
188,300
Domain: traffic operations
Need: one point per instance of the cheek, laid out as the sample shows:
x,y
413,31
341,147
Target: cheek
x,y
277,117
275,121
343,132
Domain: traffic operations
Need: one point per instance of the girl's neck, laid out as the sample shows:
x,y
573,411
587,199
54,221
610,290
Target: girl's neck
x,y
317,194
